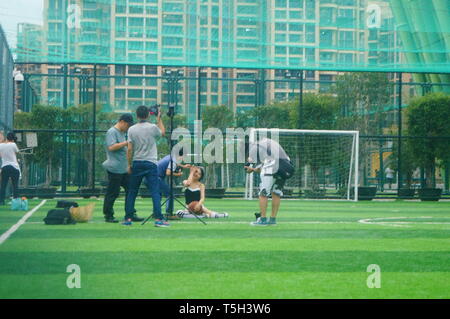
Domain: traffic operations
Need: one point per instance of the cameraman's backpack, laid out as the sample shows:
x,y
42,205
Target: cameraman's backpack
x,y
285,169
59,217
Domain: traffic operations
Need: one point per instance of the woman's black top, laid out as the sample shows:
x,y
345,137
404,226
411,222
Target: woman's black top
x,y
192,195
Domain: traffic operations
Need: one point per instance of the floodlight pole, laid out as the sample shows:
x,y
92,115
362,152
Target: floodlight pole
x,y
172,79
399,133
300,121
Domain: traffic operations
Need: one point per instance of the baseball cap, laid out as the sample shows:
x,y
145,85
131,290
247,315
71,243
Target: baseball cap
x,y
127,118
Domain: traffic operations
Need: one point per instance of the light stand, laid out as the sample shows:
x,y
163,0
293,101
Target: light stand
x,y
172,80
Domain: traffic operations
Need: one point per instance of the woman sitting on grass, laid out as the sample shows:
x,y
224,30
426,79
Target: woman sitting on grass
x,y
195,196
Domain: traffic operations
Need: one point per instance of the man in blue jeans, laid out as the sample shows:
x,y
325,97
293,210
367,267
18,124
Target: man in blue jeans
x,y
142,157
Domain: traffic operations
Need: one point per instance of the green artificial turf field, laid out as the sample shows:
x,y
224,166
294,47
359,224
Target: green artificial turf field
x,y
319,249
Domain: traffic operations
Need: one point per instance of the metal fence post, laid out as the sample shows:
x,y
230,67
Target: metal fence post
x,y
262,89
64,157
64,164
447,176
199,93
300,102
399,134
381,172
256,92
94,125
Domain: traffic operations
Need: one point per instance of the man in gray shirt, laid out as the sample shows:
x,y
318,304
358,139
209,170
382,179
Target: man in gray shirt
x,y
142,157
116,164
270,156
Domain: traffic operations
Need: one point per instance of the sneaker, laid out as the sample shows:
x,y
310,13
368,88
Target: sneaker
x,y
136,218
161,223
111,220
257,215
259,222
127,222
181,213
272,222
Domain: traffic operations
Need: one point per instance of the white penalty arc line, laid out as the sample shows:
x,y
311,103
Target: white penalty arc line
x,y
22,221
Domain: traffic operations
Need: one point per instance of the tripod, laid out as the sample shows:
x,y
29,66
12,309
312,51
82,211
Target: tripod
x,y
171,197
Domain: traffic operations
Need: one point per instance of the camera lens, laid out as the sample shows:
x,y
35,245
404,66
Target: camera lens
x,y
153,110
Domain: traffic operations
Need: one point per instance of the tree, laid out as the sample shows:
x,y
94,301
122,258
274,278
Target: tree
x,y
274,115
362,97
428,116
409,161
179,120
246,119
47,152
318,151
22,120
220,117
319,112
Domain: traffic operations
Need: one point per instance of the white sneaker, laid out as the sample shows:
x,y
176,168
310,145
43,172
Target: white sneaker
x,y
180,213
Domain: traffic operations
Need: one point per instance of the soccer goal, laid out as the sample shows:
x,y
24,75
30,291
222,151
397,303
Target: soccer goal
x,y
325,161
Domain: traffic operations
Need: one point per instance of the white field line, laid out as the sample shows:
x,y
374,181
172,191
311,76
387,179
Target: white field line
x,y
379,221
367,221
224,221
22,221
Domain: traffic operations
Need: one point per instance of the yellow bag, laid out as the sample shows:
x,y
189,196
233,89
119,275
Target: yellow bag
x,y
82,214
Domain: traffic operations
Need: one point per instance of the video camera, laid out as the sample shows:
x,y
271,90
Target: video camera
x,y
154,109
248,164
178,169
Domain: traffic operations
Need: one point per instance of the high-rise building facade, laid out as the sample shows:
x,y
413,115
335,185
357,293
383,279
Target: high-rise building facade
x,y
205,34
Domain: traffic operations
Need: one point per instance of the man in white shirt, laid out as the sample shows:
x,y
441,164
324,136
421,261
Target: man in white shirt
x,y
10,166
389,176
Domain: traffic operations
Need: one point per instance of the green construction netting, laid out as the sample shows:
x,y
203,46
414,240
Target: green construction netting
x,y
343,35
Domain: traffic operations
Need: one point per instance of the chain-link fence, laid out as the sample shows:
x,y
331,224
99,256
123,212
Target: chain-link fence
x,y
69,162
6,85
73,106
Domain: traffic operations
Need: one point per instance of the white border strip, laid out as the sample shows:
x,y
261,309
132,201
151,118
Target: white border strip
x,y
22,221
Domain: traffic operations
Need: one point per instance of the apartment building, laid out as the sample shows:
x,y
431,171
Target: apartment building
x,y
206,34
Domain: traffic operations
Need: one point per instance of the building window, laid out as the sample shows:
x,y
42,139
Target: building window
x,y
135,69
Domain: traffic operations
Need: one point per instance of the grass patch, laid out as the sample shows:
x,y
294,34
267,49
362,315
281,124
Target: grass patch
x,y
319,249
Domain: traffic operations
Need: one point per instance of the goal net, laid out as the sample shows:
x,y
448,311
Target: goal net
x,y
326,163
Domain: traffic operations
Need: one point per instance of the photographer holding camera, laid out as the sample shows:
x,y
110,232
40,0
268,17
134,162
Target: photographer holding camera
x,y
142,157
166,168
275,168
